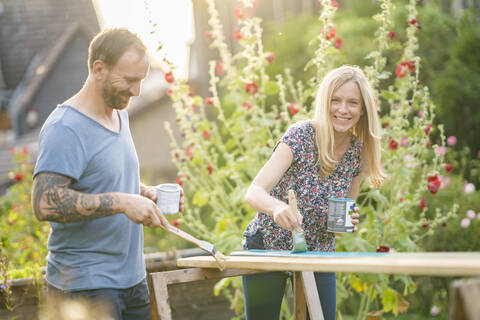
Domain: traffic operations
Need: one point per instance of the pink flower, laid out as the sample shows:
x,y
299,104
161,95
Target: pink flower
x,y
471,214
478,216
423,203
391,35
189,153
465,223
404,68
293,110
332,34
169,77
210,169
404,141
338,43
251,87
238,11
444,182
247,105
448,167
433,184
219,68
208,101
393,145
237,35
435,310
452,140
441,150
208,36
270,57
468,187
428,128
335,4
420,113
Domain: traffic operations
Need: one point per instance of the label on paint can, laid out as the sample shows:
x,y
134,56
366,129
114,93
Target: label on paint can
x,y
338,218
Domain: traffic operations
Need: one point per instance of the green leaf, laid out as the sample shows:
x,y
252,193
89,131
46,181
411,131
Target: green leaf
x,y
271,87
389,300
389,95
200,198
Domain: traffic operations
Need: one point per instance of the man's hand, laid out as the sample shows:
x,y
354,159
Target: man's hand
x,y
144,211
150,192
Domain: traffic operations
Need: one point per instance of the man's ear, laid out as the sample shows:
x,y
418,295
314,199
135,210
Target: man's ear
x,y
98,69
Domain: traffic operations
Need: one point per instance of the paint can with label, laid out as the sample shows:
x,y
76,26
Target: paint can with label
x,y
168,198
338,218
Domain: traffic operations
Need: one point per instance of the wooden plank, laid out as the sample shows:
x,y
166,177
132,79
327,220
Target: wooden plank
x,y
311,295
425,263
198,274
160,291
299,302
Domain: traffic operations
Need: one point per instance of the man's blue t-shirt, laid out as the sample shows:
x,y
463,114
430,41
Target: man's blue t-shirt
x,y
105,252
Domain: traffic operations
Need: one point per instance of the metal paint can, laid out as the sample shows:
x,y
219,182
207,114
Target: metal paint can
x,y
168,198
338,218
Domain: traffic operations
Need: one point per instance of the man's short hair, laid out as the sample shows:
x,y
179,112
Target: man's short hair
x,y
110,44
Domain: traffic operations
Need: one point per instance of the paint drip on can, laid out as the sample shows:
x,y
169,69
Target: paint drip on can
x,y
338,218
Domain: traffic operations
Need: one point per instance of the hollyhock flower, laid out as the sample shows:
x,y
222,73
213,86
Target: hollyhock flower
x,y
335,4
270,57
410,161
169,93
237,35
219,68
470,214
419,26
25,150
239,12
18,177
206,134
12,150
178,181
429,144
208,36
433,184
251,87
428,128
189,153
175,223
169,77
423,203
478,216
393,145
338,43
420,113
435,311
404,68
413,21
404,141
210,169
247,105
208,101
15,207
441,150
465,223
293,110
385,124
278,117
383,249
468,188
452,140
332,34
448,167
391,35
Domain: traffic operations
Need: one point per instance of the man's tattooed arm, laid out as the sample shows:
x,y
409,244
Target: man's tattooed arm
x,y
53,200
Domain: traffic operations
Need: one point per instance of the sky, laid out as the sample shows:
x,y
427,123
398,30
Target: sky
x,y
174,26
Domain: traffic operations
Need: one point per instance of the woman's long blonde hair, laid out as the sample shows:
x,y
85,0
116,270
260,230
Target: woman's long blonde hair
x,y
366,130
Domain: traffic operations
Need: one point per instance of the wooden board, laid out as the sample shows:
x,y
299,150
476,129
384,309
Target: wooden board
x,y
421,263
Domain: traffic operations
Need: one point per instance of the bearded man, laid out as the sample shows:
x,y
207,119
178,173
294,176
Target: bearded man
x,y
87,184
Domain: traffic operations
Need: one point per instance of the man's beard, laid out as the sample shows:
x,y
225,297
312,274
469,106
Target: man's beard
x,y
113,98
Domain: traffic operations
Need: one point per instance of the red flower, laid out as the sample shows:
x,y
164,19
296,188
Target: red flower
x,y
15,207
393,145
419,26
208,36
18,177
448,167
206,134
178,181
237,35
247,105
12,150
423,203
175,223
209,169
270,57
391,35
279,116
189,153
208,101
293,110
25,150
219,68
335,4
241,13
427,128
404,68
429,144
385,124
251,87
412,21
383,249
169,77
433,184
426,224
169,93
338,43
332,34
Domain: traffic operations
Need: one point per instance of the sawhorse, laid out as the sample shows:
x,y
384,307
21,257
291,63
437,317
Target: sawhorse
x,y
305,289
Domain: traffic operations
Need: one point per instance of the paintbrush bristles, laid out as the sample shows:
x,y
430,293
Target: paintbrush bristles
x,y
220,260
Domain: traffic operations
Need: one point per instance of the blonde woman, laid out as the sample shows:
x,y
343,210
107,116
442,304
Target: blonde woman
x,y
325,157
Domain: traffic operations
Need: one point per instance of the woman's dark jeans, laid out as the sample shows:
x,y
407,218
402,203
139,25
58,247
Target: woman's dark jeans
x,y
263,292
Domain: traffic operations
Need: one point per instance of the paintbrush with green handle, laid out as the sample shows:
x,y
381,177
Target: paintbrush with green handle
x,y
204,245
299,243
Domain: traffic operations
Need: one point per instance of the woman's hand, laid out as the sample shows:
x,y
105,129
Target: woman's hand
x,y
355,218
286,218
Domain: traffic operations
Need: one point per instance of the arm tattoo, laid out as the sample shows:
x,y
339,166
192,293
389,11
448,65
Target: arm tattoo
x,y
53,200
